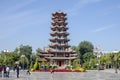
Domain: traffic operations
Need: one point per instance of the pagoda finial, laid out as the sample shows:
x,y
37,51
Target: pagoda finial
x,y
59,11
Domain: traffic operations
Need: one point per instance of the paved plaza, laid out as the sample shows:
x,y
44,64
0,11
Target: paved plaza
x,y
89,75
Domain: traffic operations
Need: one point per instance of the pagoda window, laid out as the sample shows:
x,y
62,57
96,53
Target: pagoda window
x,y
64,55
59,48
67,62
59,42
67,55
59,24
59,30
59,36
55,55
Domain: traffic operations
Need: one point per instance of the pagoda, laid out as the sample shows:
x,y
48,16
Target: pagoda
x,y
59,51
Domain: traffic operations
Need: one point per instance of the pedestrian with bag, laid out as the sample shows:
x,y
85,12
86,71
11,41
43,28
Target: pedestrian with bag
x,y
7,71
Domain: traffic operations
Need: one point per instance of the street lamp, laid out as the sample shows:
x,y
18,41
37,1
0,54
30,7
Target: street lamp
x,y
98,53
115,60
98,57
5,51
23,56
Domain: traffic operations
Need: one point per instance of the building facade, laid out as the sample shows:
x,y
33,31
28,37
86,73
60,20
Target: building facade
x,y
58,52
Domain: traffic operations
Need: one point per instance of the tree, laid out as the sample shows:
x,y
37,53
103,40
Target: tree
x,y
75,63
87,56
33,57
16,50
24,62
8,58
84,47
119,59
91,64
74,48
26,50
38,50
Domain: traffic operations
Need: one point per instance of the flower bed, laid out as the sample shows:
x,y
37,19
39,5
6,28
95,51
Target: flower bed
x,y
42,70
63,70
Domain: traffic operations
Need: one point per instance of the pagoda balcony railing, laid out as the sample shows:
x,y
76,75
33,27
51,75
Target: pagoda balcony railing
x,y
47,55
61,57
54,46
58,37
73,55
62,19
57,32
53,38
58,26
58,44
59,21
60,51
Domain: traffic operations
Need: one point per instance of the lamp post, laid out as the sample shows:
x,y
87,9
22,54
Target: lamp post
x,y
98,57
5,51
115,60
23,56
98,53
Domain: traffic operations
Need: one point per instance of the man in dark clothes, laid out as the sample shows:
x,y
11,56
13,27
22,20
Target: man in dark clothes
x,y
4,70
17,70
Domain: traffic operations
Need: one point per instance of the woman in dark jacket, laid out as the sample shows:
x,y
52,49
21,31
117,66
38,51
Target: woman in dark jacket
x,y
17,70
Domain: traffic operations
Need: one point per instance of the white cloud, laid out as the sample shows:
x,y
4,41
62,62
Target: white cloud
x,y
11,23
103,28
14,6
81,4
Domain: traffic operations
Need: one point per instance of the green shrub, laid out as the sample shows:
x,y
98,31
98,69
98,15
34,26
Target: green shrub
x,y
31,66
68,67
75,63
70,62
54,67
36,65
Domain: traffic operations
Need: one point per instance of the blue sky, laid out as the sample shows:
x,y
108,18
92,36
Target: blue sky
x,y
27,22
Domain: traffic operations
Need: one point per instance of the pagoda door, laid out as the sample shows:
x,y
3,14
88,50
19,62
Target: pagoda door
x,y
60,63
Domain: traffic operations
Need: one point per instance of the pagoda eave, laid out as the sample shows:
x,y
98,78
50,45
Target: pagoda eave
x,y
59,33
56,23
59,28
54,46
54,19
59,14
59,39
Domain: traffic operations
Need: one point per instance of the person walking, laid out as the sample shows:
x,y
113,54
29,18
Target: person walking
x,y
17,70
28,71
7,71
52,71
4,70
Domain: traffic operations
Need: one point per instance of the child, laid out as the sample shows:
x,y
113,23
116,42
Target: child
x,y
52,71
28,72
